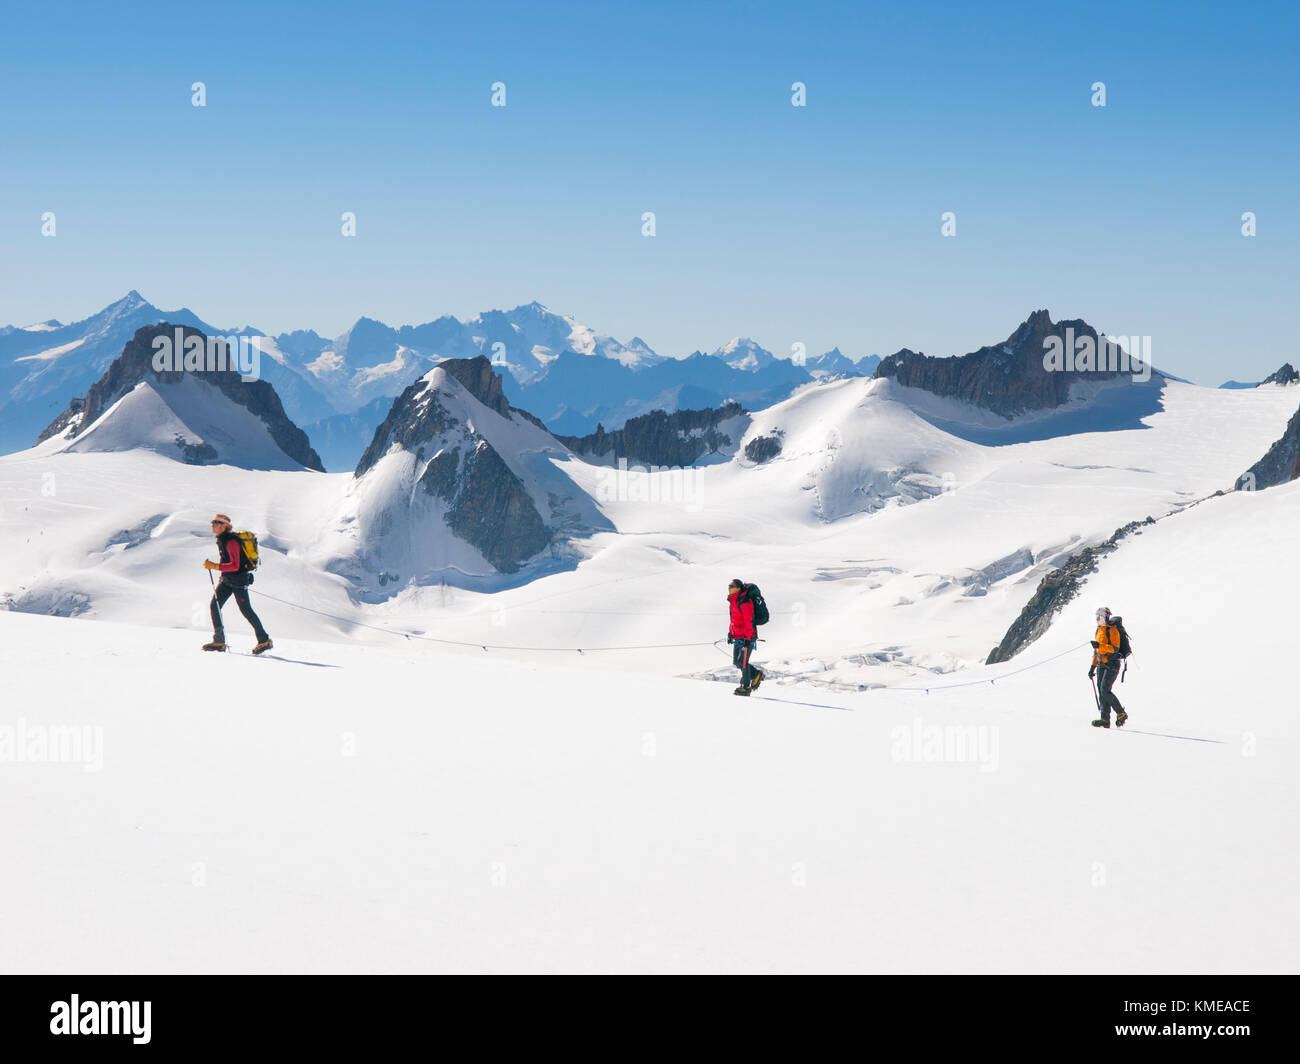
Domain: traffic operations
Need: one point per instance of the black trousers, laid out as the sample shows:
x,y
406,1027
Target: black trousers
x,y
741,652
219,598
1106,676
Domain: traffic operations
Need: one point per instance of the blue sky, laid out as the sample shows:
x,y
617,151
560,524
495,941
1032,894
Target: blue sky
x,y
818,225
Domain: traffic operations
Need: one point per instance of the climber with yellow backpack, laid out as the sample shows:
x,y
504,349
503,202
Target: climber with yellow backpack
x,y
1110,649
239,557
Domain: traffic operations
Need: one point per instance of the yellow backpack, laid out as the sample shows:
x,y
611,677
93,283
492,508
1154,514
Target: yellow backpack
x,y
248,545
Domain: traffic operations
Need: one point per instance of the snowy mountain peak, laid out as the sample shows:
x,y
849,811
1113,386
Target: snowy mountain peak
x,y
1285,374
128,304
458,482
198,416
741,352
832,364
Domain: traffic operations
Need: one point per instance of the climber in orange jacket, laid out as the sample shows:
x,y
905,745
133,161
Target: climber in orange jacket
x,y
1109,648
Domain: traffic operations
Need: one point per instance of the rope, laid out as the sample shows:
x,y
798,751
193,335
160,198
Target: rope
x,y
646,646
994,679
463,643
937,687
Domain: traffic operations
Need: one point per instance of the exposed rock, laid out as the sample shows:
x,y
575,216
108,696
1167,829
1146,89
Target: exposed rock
x,y
415,417
73,417
1055,590
198,453
479,380
763,448
659,439
1008,378
1286,374
135,364
489,506
440,424
1280,464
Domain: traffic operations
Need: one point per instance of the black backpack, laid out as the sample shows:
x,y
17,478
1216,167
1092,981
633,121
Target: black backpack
x,y
1125,647
755,597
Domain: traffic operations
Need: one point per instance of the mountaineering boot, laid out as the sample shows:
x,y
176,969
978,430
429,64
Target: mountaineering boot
x,y
1104,722
263,646
1121,718
215,645
741,691
759,677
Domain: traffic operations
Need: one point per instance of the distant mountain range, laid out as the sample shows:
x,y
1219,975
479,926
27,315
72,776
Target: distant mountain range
x,y
457,479
579,382
339,389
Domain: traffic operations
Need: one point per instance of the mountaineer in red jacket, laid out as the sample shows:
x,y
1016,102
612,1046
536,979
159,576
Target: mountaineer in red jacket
x,y
235,578
743,637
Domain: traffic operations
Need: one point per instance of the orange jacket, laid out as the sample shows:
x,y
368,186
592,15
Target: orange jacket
x,y
1107,639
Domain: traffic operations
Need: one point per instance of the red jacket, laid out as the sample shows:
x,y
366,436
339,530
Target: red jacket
x,y
742,617
234,554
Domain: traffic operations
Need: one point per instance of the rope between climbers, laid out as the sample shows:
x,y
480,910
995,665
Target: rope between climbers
x,y
465,643
646,646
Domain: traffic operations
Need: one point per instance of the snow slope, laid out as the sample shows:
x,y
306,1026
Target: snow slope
x,y
189,413
371,802
404,809
943,543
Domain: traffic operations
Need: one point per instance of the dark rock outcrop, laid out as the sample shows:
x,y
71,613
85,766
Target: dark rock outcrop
x,y
1285,374
135,364
488,506
74,415
763,448
1056,589
1280,464
410,424
477,378
1009,378
659,439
